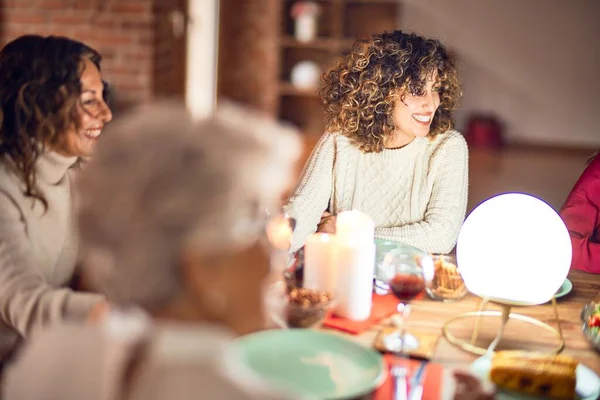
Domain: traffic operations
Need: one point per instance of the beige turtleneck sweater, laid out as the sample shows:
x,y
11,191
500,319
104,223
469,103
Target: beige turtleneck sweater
x,y
416,194
38,251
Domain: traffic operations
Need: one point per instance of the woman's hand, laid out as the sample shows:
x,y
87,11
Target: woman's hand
x,y
469,387
327,223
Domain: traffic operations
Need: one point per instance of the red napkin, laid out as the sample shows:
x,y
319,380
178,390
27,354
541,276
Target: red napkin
x,y
432,380
383,306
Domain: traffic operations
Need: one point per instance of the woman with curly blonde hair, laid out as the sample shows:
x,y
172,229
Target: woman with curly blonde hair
x,y
390,149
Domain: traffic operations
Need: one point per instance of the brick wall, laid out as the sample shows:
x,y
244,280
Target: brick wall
x,y
249,53
142,57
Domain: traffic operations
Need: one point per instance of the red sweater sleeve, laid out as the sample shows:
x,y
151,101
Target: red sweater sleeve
x,y
581,213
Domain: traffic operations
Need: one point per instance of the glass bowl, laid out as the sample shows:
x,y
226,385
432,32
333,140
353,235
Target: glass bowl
x,y
306,308
447,283
591,333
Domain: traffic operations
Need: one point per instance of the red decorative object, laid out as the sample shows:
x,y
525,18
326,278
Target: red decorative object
x,y
308,8
484,132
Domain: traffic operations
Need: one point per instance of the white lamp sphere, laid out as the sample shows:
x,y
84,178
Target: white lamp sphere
x,y
514,249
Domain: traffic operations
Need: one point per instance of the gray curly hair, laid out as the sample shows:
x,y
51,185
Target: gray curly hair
x,y
160,181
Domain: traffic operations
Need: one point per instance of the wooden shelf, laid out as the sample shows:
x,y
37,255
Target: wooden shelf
x,y
321,43
288,89
372,1
340,24
352,1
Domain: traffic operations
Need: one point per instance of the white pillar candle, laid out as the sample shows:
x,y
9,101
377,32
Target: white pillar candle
x,y
319,263
355,225
355,259
356,265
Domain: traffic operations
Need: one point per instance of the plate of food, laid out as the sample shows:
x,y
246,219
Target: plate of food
x,y
529,375
590,316
313,363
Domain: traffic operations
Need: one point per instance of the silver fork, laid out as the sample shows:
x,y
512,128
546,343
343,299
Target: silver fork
x,y
399,373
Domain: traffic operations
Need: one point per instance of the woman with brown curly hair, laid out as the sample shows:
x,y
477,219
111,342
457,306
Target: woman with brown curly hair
x,y
390,149
52,111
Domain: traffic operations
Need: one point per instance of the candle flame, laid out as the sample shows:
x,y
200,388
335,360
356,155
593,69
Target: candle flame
x,y
279,232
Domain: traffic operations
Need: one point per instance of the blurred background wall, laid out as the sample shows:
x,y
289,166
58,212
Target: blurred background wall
x,y
531,64
143,55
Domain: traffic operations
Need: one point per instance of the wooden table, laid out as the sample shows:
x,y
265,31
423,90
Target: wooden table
x,y
429,316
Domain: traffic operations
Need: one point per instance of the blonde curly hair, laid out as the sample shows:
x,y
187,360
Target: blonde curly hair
x,y
360,92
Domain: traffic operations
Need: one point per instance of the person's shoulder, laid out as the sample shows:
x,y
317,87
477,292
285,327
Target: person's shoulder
x,y
343,144
451,137
450,141
11,190
594,163
9,181
335,142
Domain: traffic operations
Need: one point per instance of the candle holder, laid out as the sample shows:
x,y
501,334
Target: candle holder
x,y
503,256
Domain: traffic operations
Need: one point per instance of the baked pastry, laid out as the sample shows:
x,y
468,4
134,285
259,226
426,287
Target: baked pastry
x,y
447,282
548,376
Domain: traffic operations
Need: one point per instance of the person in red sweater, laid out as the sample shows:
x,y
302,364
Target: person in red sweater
x,y
581,214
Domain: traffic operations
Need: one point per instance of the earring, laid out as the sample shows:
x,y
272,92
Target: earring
x,y
215,301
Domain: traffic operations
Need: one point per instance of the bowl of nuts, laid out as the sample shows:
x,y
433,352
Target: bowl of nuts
x,y
307,308
447,283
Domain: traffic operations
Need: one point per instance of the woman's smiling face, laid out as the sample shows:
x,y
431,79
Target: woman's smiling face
x,y
93,114
414,113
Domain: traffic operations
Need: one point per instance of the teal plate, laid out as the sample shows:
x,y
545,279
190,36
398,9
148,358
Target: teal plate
x,y
313,363
588,383
565,289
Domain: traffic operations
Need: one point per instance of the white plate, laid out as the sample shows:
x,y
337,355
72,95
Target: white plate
x,y
588,383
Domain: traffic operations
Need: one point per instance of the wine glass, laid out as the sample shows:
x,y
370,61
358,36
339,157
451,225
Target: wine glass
x,y
402,272
401,342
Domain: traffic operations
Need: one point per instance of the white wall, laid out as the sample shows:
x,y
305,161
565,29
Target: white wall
x,y
201,62
535,63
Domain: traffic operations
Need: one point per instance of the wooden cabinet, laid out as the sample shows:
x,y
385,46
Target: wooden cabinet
x,y
340,23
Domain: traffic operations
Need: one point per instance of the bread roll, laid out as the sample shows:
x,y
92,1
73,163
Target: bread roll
x,y
548,376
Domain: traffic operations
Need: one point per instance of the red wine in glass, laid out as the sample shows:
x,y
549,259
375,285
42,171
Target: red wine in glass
x,y
407,286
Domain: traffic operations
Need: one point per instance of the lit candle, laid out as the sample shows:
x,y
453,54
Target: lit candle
x,y
320,271
279,232
355,263
355,225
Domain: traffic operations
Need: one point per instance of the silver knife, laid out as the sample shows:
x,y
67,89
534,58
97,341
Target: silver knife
x,y
416,383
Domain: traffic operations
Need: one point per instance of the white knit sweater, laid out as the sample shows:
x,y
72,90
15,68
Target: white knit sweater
x,y
416,194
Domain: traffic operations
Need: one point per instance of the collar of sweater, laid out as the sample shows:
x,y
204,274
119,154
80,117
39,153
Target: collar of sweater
x,y
406,151
51,167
